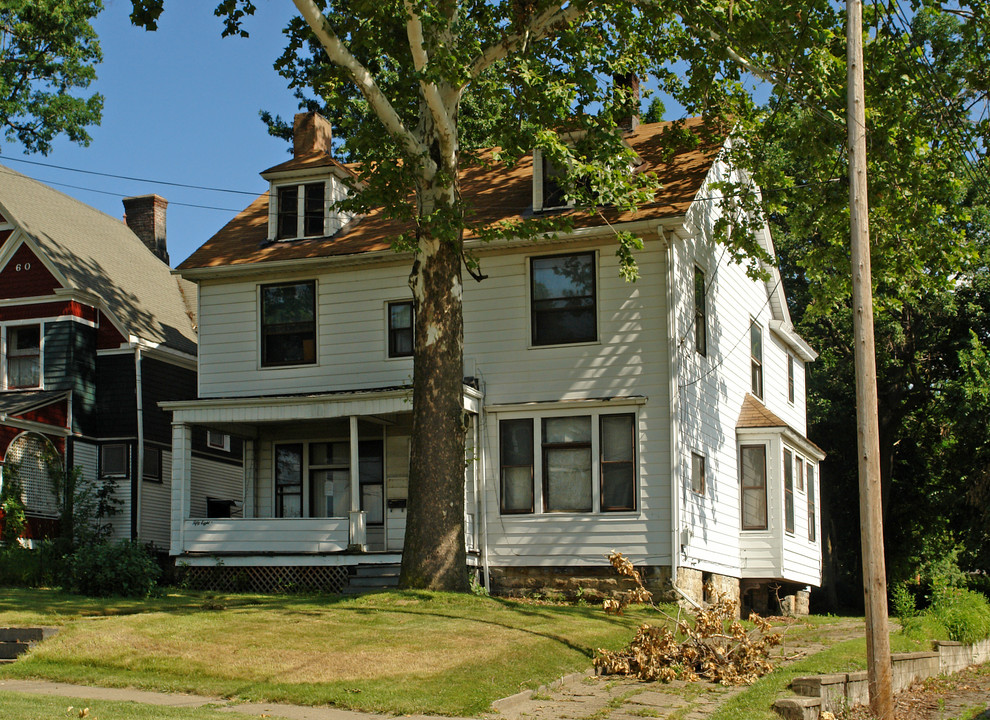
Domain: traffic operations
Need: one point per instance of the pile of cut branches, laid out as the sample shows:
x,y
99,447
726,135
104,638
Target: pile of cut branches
x,y
715,646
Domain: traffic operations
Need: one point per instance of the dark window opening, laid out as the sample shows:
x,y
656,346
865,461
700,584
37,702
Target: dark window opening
x,y
288,212
314,210
288,324
400,329
563,299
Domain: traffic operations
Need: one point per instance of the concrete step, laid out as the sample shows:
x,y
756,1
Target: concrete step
x,y
14,642
26,634
13,650
376,571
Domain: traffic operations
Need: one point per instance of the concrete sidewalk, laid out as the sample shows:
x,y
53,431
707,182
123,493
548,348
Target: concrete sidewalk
x,y
182,700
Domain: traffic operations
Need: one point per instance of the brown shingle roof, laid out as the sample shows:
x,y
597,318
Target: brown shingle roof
x,y
493,192
755,414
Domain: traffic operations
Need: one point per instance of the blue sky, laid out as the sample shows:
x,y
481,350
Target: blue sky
x,y
181,106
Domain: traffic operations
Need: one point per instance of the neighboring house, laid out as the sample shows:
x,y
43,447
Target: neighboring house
x,y
663,418
94,332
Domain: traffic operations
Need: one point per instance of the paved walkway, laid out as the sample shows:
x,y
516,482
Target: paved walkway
x,y
581,696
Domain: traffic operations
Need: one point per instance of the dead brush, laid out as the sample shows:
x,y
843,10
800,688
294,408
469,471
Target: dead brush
x,y
715,647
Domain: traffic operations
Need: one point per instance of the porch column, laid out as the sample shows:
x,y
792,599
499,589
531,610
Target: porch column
x,y
250,478
181,483
358,536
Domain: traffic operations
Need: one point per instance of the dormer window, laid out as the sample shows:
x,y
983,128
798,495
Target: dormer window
x,y
548,184
301,211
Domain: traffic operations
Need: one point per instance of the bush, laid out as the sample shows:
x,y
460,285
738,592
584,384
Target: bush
x,y
123,568
964,614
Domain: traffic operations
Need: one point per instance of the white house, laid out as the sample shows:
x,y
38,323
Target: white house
x,y
663,418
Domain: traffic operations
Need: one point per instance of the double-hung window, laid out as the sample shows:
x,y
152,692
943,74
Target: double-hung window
x,y
288,324
24,356
753,479
579,463
700,313
400,329
788,491
811,503
300,211
562,293
790,378
756,359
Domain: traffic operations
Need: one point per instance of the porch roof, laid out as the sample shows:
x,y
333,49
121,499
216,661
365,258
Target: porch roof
x,y
311,406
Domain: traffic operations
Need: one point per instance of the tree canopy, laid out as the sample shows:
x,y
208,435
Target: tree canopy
x,y
48,50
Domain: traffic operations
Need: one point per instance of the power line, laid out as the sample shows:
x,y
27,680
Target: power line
x,y
133,179
123,195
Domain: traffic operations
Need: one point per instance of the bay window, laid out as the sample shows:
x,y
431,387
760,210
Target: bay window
x,y
753,481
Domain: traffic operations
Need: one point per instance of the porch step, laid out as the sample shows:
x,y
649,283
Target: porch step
x,y
368,578
14,642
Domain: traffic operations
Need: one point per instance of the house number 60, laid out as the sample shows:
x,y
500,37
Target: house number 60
x,y
22,266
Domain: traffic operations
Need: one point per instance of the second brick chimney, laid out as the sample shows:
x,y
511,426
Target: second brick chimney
x,y
145,216
311,133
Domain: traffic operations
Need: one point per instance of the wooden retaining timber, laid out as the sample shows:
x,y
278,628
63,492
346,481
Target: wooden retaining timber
x,y
14,642
833,693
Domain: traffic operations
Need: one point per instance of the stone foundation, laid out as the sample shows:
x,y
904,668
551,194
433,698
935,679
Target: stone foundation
x,y
775,597
702,586
572,583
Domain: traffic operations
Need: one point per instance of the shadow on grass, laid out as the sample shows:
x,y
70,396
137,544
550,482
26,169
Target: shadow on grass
x,y
462,608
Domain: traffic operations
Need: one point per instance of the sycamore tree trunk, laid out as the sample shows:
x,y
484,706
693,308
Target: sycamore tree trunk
x,y
434,555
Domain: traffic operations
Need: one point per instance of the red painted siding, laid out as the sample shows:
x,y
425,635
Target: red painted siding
x,y
107,336
26,276
49,310
55,414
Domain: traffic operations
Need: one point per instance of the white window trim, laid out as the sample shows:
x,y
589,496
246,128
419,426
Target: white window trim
x,y
300,208
224,445
41,352
697,453
385,310
258,325
595,411
538,186
528,259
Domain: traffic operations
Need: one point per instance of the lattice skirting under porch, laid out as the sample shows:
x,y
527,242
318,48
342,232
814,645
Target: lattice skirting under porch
x,y
264,579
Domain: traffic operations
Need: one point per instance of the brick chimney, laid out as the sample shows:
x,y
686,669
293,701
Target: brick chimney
x,y
628,83
145,216
311,133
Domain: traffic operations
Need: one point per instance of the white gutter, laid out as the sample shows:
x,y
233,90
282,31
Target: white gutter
x,y
138,389
304,265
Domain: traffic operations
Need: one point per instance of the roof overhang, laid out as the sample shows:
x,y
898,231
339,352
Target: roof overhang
x,y
294,408
658,226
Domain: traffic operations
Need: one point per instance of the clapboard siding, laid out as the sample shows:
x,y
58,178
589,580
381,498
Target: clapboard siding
x,y
711,389
70,364
301,535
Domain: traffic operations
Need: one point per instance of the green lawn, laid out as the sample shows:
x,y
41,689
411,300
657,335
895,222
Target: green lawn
x,y
397,652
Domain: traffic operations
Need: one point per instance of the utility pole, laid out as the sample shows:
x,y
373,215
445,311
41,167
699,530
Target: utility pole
x,y
867,424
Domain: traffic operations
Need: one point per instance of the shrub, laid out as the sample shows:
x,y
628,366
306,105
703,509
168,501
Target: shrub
x,y
903,603
964,614
122,568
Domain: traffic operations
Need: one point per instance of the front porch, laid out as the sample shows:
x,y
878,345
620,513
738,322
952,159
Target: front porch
x,y
324,486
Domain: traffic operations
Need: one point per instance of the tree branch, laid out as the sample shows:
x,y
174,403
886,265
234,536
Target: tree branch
x,y
340,56
417,44
539,27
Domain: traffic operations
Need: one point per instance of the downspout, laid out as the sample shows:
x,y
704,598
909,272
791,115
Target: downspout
x,y
482,431
675,453
136,532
